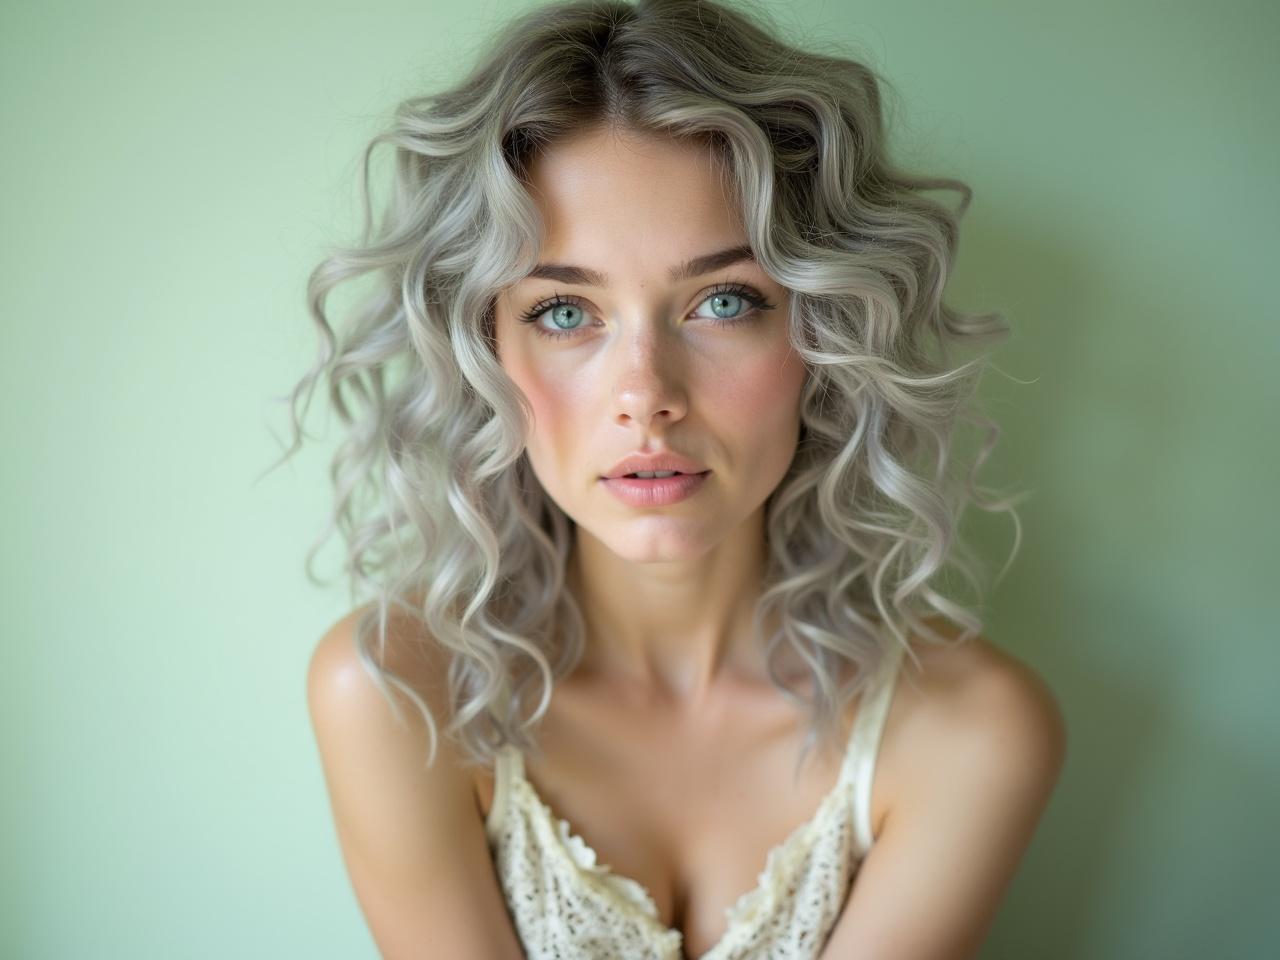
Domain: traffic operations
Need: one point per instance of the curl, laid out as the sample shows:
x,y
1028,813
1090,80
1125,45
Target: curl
x,y
443,518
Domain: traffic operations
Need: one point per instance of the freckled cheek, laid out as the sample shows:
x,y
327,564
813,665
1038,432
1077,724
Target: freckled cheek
x,y
757,400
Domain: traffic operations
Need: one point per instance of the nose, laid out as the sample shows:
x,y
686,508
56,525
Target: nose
x,y
648,385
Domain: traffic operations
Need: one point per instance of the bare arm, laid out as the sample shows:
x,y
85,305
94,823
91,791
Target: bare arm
x,y
951,842
412,837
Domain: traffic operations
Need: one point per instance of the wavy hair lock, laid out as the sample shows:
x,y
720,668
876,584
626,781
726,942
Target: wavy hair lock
x,y
442,516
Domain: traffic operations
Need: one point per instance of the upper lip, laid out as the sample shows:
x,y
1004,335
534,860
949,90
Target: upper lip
x,y
649,462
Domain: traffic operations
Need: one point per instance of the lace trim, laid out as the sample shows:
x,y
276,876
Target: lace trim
x,y
837,821
630,894
751,907
783,861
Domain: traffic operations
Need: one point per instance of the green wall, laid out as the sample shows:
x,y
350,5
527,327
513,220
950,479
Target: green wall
x,y
171,172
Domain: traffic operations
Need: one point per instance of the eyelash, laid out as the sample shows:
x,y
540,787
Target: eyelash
x,y
749,294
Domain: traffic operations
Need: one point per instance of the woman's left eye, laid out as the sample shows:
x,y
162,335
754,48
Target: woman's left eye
x,y
729,305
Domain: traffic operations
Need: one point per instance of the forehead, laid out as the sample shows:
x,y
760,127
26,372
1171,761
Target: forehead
x,y
621,199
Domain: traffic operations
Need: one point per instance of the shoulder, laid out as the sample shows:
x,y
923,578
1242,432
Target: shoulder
x,y
978,695
346,701
408,829
976,743
962,703
973,699
336,669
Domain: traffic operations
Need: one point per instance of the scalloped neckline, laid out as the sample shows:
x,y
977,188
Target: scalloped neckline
x,y
634,895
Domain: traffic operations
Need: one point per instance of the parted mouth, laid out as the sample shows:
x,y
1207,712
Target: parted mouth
x,y
656,475
647,465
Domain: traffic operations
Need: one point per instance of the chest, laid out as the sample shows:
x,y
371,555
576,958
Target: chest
x,y
689,806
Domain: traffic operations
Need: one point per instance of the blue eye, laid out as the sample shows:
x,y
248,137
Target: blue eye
x,y
731,298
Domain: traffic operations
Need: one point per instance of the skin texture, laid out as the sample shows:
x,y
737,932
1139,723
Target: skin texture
x,y
668,749
667,591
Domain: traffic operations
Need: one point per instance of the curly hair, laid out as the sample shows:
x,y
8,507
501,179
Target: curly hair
x,y
455,529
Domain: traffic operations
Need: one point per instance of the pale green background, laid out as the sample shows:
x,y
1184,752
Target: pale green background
x,y
170,173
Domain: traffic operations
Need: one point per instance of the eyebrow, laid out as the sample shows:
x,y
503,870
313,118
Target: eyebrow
x,y
585,276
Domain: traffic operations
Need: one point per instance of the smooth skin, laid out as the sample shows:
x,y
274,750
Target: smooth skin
x,y
648,365
670,699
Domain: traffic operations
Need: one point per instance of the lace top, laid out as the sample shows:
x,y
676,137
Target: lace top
x,y
567,906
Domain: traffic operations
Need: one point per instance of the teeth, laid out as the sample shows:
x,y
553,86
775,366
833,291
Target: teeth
x,y
656,473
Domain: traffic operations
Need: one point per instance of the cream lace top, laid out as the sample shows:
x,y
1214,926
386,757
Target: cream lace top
x,y
567,906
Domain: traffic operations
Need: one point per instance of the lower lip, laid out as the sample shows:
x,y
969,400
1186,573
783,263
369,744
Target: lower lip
x,y
655,492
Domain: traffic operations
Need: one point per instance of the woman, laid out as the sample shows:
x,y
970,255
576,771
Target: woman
x,y
659,405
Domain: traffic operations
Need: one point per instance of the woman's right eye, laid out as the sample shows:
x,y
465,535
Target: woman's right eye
x,y
556,308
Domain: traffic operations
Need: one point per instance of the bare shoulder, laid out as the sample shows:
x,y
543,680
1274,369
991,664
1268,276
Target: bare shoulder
x,y
977,693
978,741
972,699
336,670
411,838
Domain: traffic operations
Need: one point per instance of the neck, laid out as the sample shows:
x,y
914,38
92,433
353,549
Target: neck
x,y
678,629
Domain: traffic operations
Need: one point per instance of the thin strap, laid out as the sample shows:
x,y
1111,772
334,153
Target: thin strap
x,y
858,766
503,760
865,745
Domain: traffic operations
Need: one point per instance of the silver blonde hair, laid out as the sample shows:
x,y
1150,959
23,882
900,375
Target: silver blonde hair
x,y
455,529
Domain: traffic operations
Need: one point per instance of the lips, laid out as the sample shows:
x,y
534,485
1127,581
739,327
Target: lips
x,y
649,475
655,491
660,462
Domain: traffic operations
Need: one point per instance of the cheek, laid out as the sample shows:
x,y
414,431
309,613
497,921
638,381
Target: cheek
x,y
760,402
557,402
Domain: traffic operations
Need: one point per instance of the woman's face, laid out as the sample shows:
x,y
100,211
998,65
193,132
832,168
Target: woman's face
x,y
636,360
